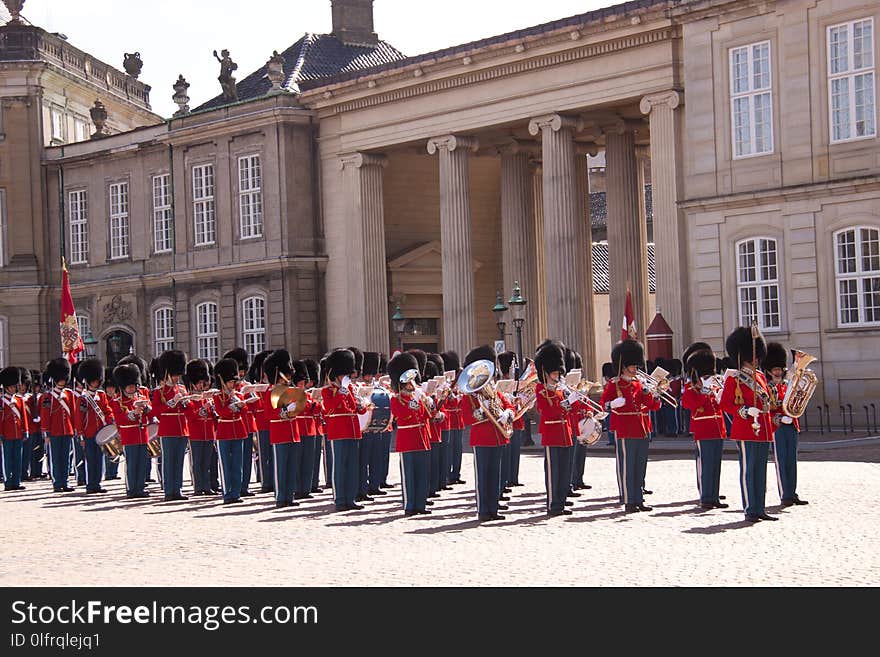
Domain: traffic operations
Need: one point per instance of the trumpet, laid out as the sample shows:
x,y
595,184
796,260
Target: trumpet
x,y
656,386
598,411
713,385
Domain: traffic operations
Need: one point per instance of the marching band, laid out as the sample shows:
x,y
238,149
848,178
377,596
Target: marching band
x,y
352,406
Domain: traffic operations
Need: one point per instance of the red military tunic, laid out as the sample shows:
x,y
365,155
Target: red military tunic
x,y
13,417
707,421
306,420
247,413
554,426
741,427
172,419
89,420
132,430
230,423
776,412
630,420
282,429
484,433
412,432
58,412
340,413
452,410
201,420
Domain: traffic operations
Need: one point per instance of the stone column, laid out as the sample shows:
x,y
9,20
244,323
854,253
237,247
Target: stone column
x,y
363,173
459,312
627,241
588,350
538,302
563,230
518,234
669,226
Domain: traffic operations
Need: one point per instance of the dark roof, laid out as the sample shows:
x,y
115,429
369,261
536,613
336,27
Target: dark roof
x,y
313,57
601,272
599,208
572,21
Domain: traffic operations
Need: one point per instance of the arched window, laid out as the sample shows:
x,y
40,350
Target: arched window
x,y
757,276
253,314
163,329
857,266
207,331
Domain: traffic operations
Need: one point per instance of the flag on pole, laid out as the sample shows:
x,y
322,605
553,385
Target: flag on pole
x,y
628,330
71,340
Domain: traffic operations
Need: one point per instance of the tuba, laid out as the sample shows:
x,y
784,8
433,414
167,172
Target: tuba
x,y
476,380
283,395
526,396
801,384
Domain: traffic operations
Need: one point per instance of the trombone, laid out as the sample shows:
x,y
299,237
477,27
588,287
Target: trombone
x,y
656,386
598,412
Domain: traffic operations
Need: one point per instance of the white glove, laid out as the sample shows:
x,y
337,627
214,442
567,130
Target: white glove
x,y
753,411
618,402
290,407
440,417
174,401
572,397
785,419
132,415
506,416
346,382
414,404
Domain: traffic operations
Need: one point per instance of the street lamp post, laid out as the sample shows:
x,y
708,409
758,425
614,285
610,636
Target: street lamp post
x,y
398,322
518,310
89,342
499,309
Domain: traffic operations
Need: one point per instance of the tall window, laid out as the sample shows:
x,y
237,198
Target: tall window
x,y
163,218
84,324
119,220
203,204
207,333
857,256
163,329
851,80
3,346
81,128
78,203
250,201
751,105
253,310
57,117
758,283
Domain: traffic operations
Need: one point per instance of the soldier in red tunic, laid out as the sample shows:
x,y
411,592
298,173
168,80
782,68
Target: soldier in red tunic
x,y
452,409
94,413
341,409
202,422
553,407
131,408
412,443
58,421
13,427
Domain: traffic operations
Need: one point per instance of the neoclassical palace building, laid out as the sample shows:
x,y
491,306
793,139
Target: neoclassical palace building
x,y
344,178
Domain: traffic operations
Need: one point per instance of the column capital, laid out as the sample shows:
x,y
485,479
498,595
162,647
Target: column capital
x,y
451,142
358,160
555,122
670,99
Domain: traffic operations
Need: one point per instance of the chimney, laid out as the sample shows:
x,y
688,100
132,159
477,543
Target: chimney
x,y
353,22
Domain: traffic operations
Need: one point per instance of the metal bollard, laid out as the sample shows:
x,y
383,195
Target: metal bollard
x,y
852,428
843,418
821,423
867,421
828,418
874,413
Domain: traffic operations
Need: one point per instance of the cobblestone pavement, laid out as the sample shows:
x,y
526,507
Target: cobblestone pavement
x,y
110,541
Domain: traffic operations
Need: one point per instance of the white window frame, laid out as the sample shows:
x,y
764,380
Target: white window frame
x,y
84,324
250,196
204,215
253,324
81,130
761,284
57,120
163,215
163,328
850,74
208,330
751,96
119,225
4,334
78,217
859,276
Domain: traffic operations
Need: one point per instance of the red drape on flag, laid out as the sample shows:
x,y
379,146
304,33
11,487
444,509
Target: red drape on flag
x,y
71,340
628,330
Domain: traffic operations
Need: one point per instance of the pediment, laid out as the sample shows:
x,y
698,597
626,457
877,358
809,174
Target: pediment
x,y
423,258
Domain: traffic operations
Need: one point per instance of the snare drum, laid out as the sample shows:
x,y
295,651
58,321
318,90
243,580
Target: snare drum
x,y
108,440
381,414
154,447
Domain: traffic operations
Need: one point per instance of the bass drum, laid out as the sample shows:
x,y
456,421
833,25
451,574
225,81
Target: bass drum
x,y
154,447
381,416
589,431
107,439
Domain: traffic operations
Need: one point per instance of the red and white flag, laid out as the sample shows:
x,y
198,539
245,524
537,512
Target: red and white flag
x,y
628,330
71,340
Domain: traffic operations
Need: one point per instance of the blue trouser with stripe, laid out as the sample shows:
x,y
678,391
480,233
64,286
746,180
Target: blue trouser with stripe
x,y
457,437
267,470
345,471
287,459
316,466
632,460
434,474
753,475
785,449
59,459
306,465
557,466
111,467
371,457
516,441
94,464
708,461
231,453
26,455
363,464
445,456
328,461
137,464
215,469
173,452
12,462
200,457
247,462
505,467
386,456
414,468
487,469
79,463
578,463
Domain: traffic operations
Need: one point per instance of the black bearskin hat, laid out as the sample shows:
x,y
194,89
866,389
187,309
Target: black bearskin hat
x,y
650,365
91,369
358,358
739,346
312,367
25,375
485,352
109,381
550,357
322,372
438,363
58,369
658,362
401,363
569,360
450,361
300,372
10,376
255,373
197,370
421,358
74,368
608,370
776,356
341,362
239,355
125,375
137,361
226,370
505,362
370,366
383,364
277,363
431,370
171,363
673,366
700,363
628,352
578,361
696,346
